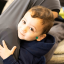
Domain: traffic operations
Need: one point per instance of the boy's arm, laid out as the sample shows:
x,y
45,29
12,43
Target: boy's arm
x,y
7,55
10,60
5,52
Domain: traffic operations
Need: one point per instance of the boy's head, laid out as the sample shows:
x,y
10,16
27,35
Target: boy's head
x,y
36,23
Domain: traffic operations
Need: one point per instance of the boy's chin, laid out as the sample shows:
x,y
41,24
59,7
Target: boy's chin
x,y
20,37
27,39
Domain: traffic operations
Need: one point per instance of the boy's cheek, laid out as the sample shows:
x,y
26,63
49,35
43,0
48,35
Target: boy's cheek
x,y
19,24
30,36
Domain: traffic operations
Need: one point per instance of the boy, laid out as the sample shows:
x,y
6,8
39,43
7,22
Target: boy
x,y
34,40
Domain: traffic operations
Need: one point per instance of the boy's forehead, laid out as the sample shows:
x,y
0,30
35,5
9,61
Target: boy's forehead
x,y
28,16
28,12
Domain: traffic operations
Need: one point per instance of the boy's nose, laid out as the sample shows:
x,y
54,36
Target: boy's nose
x,y
24,29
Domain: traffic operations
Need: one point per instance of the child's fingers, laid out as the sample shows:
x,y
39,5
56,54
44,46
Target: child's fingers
x,y
4,44
13,49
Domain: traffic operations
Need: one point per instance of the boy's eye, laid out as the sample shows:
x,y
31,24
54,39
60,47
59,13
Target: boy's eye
x,y
24,22
31,29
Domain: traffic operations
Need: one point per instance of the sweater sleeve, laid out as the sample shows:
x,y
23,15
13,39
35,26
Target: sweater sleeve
x,y
24,58
10,60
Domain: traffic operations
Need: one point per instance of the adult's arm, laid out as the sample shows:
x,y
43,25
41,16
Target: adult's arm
x,y
53,5
8,24
24,58
55,12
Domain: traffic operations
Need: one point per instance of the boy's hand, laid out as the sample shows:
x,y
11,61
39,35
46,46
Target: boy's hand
x,y
5,52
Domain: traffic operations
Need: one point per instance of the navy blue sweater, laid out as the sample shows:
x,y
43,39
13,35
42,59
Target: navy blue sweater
x,y
32,52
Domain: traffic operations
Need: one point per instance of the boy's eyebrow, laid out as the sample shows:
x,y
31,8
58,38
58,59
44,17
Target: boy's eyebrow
x,y
24,18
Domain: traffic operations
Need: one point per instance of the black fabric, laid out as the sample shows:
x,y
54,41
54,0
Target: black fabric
x,y
60,19
2,4
56,10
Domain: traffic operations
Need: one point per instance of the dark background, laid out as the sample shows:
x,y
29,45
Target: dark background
x,y
2,3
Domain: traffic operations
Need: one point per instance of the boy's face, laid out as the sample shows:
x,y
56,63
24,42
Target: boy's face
x,y
29,28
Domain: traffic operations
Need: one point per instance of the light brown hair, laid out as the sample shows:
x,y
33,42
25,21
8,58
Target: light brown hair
x,y
45,14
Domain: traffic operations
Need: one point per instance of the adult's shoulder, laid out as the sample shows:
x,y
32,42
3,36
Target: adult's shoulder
x,y
51,4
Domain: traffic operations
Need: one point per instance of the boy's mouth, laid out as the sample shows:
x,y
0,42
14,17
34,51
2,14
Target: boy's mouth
x,y
21,34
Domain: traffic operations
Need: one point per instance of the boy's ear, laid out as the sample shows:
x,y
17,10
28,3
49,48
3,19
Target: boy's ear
x,y
41,37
